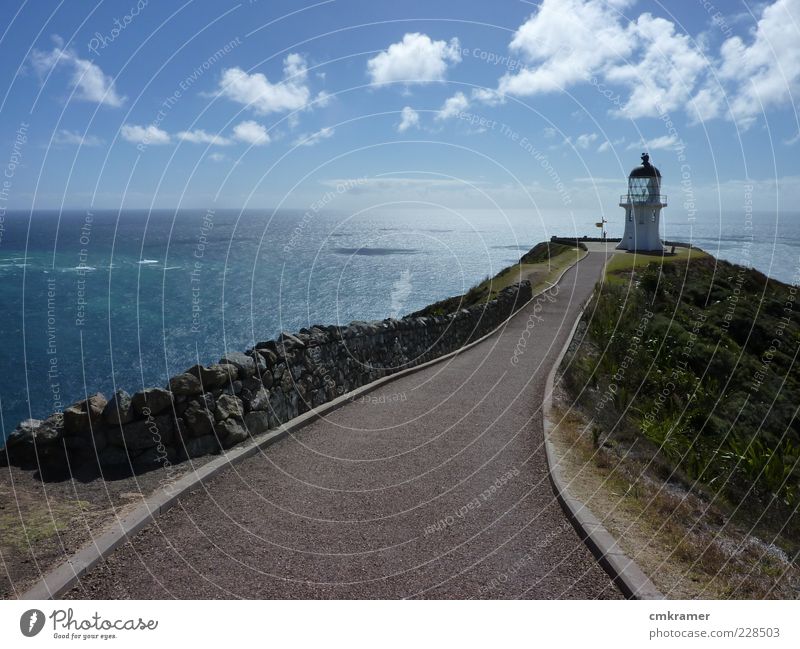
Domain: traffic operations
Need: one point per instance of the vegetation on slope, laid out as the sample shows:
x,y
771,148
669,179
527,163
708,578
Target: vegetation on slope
x,y
539,263
696,359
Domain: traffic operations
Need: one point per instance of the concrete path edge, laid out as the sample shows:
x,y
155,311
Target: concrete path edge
x,y
64,576
624,572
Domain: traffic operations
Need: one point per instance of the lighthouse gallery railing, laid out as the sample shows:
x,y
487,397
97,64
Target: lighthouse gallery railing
x,y
640,199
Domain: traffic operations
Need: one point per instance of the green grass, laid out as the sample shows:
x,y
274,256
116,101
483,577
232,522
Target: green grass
x,y
541,265
625,262
544,252
36,523
705,385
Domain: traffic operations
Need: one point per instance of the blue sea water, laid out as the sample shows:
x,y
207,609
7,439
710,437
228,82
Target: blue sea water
x,y
104,300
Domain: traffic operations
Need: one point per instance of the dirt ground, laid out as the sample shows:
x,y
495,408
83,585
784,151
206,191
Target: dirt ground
x,y
43,523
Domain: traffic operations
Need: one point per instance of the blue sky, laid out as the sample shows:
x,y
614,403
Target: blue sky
x,y
464,104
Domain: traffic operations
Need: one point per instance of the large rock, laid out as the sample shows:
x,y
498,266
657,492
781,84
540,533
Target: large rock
x,y
235,387
118,410
25,432
250,388
199,416
269,356
268,345
185,384
181,430
80,416
258,359
154,458
287,382
231,432
143,434
154,400
290,341
36,441
257,421
242,362
277,407
87,446
260,400
228,406
47,432
214,376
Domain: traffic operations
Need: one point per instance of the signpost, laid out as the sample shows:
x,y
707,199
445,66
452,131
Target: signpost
x,y
602,225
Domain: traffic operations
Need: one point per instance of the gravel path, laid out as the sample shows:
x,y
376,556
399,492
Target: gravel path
x,y
433,486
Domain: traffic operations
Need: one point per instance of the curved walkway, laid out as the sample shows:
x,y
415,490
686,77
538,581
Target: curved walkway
x,y
434,486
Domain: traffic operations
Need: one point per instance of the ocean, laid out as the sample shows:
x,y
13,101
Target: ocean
x,y
102,300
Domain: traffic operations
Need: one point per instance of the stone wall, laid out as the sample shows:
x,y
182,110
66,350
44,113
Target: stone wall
x,y
206,409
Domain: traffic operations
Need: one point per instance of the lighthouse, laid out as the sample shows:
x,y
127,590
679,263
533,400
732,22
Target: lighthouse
x,y
643,204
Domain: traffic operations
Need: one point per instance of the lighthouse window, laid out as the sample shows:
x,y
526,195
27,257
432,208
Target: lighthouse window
x,y
653,219
630,216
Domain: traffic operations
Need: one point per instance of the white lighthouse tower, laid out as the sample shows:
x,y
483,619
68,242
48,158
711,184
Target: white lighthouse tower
x,y
643,204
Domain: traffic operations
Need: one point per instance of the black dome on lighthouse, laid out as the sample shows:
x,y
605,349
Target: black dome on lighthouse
x,y
645,170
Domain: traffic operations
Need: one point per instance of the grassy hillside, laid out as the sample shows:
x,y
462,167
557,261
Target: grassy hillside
x,y
695,360
540,264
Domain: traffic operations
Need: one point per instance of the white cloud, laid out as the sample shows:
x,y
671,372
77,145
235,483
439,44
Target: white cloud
x,y
88,80
251,132
663,74
488,96
402,184
322,99
217,157
455,105
585,140
661,142
67,137
596,180
199,136
415,59
765,73
257,92
606,146
567,41
652,66
409,118
144,134
605,186
706,104
314,138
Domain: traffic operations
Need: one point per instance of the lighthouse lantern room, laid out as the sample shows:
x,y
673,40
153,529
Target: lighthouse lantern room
x,y
643,204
